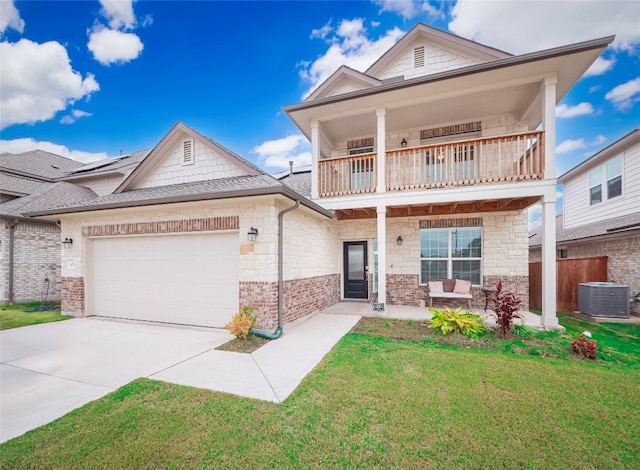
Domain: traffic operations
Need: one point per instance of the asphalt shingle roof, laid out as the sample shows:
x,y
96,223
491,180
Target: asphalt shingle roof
x,y
121,164
597,229
20,185
50,196
38,163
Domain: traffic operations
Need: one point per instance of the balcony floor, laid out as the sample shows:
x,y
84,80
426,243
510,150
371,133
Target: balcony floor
x,y
407,312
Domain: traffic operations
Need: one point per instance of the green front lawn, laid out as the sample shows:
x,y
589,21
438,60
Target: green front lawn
x,y
373,402
14,316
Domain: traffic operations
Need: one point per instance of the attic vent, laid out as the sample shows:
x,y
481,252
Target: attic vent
x,y
418,57
187,152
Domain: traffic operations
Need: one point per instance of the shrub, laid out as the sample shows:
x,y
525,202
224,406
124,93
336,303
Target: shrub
x,y
505,306
454,321
520,329
585,347
241,322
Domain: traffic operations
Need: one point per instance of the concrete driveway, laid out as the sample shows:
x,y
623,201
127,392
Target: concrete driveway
x,y
50,369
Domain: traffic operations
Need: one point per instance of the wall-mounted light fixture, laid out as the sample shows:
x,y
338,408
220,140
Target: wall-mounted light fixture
x,y
252,234
67,242
399,240
403,144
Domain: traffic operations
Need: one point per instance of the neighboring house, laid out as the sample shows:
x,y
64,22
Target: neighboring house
x,y
29,248
422,168
601,215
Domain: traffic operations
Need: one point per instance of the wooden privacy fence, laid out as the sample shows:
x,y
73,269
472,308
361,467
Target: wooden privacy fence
x,y
569,273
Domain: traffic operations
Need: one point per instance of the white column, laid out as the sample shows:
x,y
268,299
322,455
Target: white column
x,y
549,125
549,318
315,157
381,140
382,254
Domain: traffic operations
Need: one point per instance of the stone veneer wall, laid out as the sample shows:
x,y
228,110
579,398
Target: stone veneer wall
x,y
37,252
73,296
404,289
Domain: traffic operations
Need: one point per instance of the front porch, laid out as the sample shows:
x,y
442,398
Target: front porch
x,y
408,312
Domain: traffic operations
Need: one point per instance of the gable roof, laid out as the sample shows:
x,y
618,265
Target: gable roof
x,y
440,37
299,179
618,226
50,196
344,72
154,157
628,139
39,164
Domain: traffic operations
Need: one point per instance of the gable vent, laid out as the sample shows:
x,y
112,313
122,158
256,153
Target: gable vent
x,y
418,57
187,152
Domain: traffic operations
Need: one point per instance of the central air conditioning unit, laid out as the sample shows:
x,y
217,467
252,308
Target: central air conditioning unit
x,y
603,299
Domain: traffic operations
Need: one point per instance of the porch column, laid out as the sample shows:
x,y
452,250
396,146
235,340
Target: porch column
x,y
549,125
381,140
315,156
382,254
549,319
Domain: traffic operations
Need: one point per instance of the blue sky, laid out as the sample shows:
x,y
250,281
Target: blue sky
x,y
87,79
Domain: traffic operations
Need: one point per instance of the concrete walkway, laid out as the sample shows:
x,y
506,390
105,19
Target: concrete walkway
x,y
51,369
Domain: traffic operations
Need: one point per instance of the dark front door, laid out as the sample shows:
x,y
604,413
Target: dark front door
x,y
356,285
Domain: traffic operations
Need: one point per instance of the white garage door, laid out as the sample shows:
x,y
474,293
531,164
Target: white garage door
x,y
185,279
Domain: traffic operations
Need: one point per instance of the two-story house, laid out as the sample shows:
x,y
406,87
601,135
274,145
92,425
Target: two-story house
x,y
422,168
601,213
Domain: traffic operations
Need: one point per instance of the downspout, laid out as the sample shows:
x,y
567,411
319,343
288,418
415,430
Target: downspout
x,y
276,334
12,229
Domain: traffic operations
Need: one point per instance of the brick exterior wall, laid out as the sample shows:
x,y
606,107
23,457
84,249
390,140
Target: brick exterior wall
x,y
305,296
263,298
622,264
301,297
164,226
404,289
73,296
37,252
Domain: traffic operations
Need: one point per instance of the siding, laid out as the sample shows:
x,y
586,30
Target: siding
x,y
577,210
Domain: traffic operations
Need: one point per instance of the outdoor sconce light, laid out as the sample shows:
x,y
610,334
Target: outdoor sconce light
x,y
67,242
399,240
252,234
403,144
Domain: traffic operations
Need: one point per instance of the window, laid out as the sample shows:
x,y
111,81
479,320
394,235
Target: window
x,y
605,181
360,150
362,174
614,177
563,253
595,185
451,253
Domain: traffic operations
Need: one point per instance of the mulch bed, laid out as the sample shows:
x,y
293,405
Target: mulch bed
x,y
250,344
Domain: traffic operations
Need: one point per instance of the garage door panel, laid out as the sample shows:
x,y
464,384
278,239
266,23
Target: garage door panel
x,y
186,279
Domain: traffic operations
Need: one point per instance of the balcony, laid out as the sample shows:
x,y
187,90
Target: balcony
x,y
513,157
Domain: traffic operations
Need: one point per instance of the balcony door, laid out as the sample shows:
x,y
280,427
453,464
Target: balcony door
x,y
356,285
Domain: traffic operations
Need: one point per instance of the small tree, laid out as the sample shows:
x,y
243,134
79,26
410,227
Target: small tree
x,y
505,306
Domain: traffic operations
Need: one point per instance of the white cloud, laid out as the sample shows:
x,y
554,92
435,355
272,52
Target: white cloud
x,y
10,17
119,13
321,33
566,111
278,153
110,46
535,215
600,67
526,26
37,81
626,95
74,116
570,145
26,144
410,8
349,45
594,88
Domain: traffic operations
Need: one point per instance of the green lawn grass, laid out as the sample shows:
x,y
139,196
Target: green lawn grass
x,y
372,403
14,316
